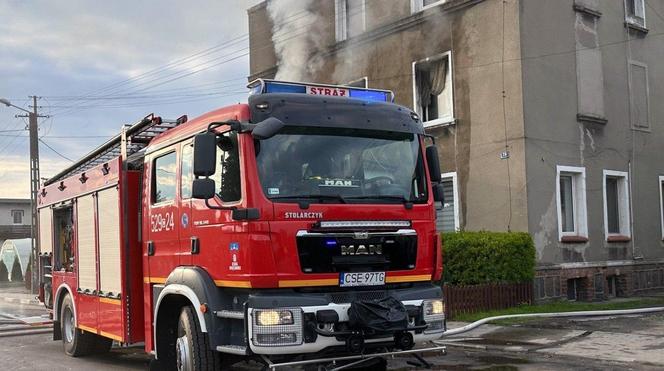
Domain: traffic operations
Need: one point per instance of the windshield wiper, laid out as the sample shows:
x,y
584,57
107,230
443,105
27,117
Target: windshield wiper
x,y
408,204
315,197
379,197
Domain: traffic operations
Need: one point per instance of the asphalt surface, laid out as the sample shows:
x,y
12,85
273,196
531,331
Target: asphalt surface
x,y
39,352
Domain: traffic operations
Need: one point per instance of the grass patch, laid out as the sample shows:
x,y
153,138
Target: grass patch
x,y
561,306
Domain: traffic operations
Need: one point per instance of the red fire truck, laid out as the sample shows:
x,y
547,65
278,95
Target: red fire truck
x,y
296,229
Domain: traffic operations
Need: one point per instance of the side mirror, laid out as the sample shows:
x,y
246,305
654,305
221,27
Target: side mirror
x,y
433,163
205,150
437,192
203,188
267,128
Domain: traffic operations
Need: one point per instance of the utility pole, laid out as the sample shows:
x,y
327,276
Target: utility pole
x,y
33,128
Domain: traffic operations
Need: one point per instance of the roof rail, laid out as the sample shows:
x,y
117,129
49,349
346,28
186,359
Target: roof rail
x,y
138,136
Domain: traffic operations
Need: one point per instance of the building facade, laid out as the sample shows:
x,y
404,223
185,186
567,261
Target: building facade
x,y
15,218
544,112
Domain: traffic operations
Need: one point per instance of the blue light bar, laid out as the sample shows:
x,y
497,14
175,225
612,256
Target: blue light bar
x,y
261,86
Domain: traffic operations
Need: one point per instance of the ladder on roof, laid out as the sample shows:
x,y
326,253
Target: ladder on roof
x,y
137,136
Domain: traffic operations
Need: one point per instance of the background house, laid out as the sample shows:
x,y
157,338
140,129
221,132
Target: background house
x,y
544,112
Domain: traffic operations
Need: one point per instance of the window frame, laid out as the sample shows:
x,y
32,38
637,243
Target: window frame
x,y
20,212
341,19
633,20
363,78
661,204
183,145
579,200
153,175
624,219
418,5
453,175
440,121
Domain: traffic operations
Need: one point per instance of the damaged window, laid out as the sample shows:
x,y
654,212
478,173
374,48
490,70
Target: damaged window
x,y
635,12
433,90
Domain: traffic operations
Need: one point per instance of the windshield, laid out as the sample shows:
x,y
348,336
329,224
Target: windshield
x,y
341,166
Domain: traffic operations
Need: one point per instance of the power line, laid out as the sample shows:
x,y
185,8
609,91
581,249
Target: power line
x,y
55,151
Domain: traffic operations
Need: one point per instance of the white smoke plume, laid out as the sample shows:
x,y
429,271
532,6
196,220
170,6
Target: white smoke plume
x,y
298,39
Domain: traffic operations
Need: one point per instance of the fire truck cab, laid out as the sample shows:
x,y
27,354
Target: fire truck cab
x,y
295,229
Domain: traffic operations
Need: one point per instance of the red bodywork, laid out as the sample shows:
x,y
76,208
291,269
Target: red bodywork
x,y
267,255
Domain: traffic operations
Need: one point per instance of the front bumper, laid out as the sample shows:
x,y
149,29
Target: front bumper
x,y
309,334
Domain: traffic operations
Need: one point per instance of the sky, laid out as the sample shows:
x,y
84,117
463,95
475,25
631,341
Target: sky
x,y
98,65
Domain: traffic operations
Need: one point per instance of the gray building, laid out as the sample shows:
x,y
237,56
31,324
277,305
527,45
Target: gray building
x,y
545,113
15,218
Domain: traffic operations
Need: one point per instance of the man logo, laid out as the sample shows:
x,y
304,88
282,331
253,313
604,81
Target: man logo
x,y
338,183
362,249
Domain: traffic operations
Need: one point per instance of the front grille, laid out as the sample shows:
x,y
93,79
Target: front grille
x,y
350,296
357,251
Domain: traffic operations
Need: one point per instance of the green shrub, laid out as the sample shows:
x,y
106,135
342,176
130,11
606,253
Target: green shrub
x,y
472,258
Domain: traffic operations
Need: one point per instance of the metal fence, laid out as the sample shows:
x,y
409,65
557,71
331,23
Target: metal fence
x,y
476,298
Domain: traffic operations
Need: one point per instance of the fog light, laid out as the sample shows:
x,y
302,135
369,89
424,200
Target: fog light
x,y
278,338
274,317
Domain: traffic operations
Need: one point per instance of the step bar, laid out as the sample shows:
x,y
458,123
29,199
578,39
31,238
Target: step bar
x,y
360,357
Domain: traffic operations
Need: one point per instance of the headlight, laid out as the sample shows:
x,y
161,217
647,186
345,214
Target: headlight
x,y
433,307
434,315
277,327
274,317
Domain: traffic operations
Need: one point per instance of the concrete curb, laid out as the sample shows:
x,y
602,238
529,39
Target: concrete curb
x,y
21,301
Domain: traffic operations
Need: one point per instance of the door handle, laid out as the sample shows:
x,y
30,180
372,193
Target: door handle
x,y
150,248
195,245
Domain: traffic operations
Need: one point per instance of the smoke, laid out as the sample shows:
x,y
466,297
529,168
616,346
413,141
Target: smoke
x,y
298,39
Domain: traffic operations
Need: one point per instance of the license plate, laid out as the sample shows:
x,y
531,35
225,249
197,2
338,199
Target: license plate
x,y
361,279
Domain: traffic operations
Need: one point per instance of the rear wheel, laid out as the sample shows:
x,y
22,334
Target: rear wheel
x,y
77,342
192,350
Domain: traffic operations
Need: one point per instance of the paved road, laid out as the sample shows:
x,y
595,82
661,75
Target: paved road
x,y
39,352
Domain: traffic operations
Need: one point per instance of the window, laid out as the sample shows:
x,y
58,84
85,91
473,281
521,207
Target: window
x,y
616,205
639,109
635,12
17,216
418,5
164,178
432,90
571,200
447,218
227,176
661,203
350,18
186,169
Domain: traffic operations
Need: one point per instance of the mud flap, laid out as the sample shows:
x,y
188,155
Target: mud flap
x,y
57,331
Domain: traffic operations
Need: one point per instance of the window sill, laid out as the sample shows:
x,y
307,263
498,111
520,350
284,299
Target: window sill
x,y
573,239
438,123
588,11
585,117
636,27
618,238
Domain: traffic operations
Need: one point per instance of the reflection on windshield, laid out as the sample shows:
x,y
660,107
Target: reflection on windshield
x,y
341,166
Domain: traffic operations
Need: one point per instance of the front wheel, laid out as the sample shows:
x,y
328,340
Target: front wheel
x,y
192,350
76,342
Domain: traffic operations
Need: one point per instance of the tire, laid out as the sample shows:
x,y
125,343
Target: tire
x,y
78,343
192,346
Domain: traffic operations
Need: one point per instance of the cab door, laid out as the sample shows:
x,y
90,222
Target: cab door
x,y
163,243
189,243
